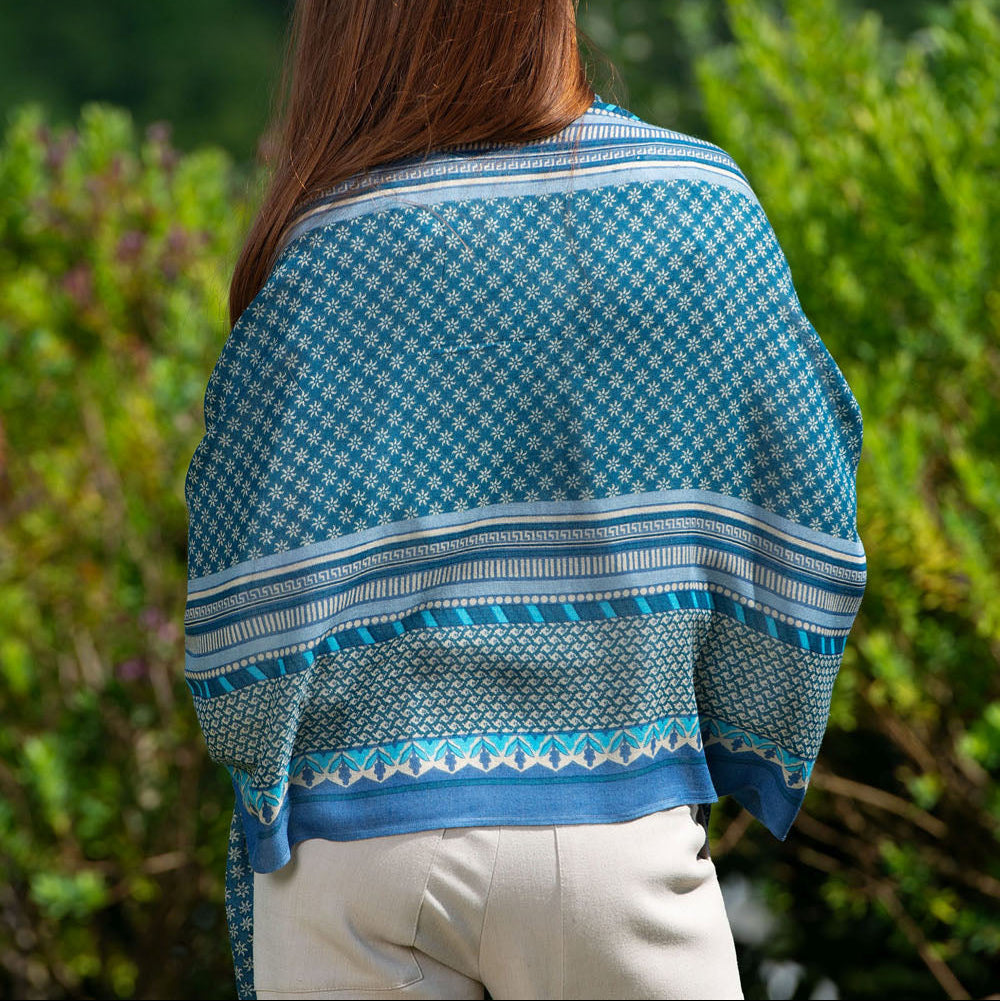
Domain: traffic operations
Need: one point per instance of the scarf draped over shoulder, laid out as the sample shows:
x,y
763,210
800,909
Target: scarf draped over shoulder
x,y
526,496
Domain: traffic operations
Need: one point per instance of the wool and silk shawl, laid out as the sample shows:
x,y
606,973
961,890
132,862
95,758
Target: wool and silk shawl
x,y
527,495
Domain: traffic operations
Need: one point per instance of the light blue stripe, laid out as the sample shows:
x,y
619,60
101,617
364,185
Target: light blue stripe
x,y
671,163
526,510
307,631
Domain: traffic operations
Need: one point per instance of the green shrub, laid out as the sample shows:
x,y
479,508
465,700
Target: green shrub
x,y
113,824
879,167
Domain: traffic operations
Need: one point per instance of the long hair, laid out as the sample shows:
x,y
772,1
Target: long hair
x,y
366,82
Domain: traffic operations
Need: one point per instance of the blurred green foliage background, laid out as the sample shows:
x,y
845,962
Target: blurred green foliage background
x,y
871,134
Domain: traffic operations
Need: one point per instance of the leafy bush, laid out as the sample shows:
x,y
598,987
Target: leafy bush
x,y
879,167
113,824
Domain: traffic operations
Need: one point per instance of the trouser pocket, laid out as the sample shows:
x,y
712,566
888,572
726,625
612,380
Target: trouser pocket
x,y
342,915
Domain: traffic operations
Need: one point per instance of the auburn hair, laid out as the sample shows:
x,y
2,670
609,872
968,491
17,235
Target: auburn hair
x,y
366,82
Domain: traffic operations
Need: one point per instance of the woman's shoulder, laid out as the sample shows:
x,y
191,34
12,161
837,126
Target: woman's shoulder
x,y
610,127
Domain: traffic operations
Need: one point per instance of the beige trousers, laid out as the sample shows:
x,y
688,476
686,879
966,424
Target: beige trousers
x,y
614,910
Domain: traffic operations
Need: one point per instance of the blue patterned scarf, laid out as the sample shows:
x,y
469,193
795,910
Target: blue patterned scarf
x,y
526,496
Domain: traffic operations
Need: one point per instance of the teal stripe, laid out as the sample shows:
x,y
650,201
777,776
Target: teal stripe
x,y
627,773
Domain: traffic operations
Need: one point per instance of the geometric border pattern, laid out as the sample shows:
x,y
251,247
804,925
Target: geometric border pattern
x,y
521,563
450,613
553,752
